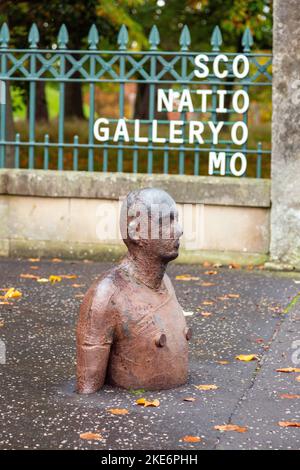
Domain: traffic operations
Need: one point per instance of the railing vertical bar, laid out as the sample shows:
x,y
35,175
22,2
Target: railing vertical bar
x,y
166,159
46,152
3,111
105,159
196,160
135,159
121,111
259,160
91,116
75,153
32,107
17,151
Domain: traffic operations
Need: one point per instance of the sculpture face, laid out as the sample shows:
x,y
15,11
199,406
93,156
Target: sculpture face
x,y
149,223
131,331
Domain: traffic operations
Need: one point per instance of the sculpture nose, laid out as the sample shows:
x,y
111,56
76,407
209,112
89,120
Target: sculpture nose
x,y
160,340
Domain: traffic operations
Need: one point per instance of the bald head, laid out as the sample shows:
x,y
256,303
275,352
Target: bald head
x,y
149,217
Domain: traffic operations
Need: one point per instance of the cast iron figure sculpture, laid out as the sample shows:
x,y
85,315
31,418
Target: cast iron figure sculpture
x,y
131,331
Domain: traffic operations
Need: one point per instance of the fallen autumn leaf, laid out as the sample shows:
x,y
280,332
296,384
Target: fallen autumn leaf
x,y
231,427
91,436
191,439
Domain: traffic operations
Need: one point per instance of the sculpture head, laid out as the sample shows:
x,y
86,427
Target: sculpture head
x,y
149,224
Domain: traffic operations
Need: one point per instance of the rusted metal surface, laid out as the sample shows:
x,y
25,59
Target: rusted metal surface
x,y
131,331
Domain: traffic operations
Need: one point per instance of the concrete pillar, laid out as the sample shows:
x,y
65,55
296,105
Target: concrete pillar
x,y
285,213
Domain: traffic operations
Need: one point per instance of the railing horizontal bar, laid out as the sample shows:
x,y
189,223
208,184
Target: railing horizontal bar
x,y
141,147
131,53
90,80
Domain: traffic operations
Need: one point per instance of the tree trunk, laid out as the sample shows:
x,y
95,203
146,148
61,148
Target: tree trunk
x,y
41,103
73,97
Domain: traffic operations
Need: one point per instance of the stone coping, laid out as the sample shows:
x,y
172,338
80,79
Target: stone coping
x,y
228,191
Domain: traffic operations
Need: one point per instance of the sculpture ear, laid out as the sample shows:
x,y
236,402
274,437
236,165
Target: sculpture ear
x,y
133,231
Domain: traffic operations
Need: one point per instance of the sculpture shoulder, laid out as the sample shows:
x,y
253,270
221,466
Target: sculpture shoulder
x,y
98,298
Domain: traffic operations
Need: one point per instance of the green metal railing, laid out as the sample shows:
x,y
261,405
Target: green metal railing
x,y
94,68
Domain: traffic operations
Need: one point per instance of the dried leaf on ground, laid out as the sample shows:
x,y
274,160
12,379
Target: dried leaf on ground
x,y
118,411
289,424
233,296
34,267
188,313
34,260
53,279
68,276
207,284
191,439
206,264
289,396
1,323
211,273
231,427
43,280
288,370
186,277
223,362
56,260
4,303
78,285
234,266
247,357
189,399
207,302
207,387
29,276
298,378
91,436
146,403
206,314
12,293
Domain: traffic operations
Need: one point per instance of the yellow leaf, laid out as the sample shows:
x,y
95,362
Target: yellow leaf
x,y
288,370
246,357
289,424
230,427
191,439
206,387
186,277
144,402
91,436
118,411
53,279
12,293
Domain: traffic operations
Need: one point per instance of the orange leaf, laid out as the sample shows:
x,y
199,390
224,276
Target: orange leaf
x,y
207,302
289,396
230,427
247,357
118,411
289,424
78,285
206,314
4,303
206,264
234,266
288,370
56,260
189,399
29,276
233,296
34,260
91,436
68,276
191,439
211,273
34,267
206,387
207,284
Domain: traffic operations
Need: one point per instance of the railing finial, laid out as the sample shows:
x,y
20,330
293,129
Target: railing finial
x,y
4,36
154,38
123,38
63,37
185,38
247,40
33,36
216,39
93,37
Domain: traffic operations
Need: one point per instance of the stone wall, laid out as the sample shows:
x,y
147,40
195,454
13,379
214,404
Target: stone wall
x,y
75,214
